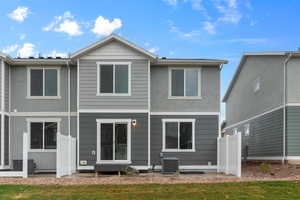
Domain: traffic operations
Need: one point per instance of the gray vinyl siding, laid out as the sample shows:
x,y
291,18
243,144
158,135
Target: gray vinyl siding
x,y
206,133
293,130
0,81
243,103
44,160
73,88
293,81
88,135
88,87
19,93
266,135
210,92
6,140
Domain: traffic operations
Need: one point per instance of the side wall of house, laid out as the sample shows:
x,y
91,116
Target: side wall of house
x,y
243,103
265,137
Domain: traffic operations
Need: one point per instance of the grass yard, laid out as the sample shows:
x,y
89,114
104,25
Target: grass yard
x,y
246,190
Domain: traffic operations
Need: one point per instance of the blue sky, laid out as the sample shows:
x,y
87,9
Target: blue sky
x,y
221,29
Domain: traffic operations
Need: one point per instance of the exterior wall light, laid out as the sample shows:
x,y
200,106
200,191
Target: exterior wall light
x,y
133,122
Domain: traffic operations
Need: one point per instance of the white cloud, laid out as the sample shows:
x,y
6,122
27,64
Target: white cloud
x,y
171,2
209,27
104,27
248,40
10,49
153,49
27,50
184,35
65,24
196,4
229,11
171,53
54,54
19,14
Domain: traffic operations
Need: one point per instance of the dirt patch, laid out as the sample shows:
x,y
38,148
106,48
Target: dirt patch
x,y
250,172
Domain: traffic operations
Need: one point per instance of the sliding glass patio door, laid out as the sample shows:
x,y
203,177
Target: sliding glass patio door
x,y
113,141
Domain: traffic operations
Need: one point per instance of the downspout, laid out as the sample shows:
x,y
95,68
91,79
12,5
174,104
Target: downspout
x,y
284,104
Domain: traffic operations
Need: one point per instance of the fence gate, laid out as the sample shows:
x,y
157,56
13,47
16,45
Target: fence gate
x,y
66,155
230,154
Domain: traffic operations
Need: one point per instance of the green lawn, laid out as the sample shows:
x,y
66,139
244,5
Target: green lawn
x,y
215,191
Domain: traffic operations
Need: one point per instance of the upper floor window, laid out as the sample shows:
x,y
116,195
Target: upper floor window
x,y
185,83
178,135
113,78
43,82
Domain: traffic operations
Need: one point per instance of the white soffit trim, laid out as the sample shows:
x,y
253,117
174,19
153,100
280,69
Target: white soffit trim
x,y
241,122
185,113
41,114
112,111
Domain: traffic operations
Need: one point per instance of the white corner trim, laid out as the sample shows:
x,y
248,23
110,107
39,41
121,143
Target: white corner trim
x,y
3,110
185,113
256,116
112,111
114,80
164,121
78,100
149,116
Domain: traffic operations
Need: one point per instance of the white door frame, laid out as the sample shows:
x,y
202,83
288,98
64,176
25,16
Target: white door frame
x,y
113,121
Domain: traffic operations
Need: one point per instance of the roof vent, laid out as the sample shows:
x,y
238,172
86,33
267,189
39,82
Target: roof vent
x,y
58,57
164,58
31,57
49,57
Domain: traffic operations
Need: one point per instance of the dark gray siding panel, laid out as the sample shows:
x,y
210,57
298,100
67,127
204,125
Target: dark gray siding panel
x,y
6,89
293,131
88,135
6,140
206,134
266,135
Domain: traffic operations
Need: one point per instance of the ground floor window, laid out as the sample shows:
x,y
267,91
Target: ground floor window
x,y
43,134
113,140
178,134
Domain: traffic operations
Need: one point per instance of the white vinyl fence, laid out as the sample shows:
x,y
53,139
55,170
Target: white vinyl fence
x,y
66,155
229,154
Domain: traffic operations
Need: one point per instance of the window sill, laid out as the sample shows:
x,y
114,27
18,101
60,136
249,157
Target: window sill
x,y
112,95
177,150
185,98
42,150
113,162
43,97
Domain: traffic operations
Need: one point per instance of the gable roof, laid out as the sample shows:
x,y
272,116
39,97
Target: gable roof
x,y
240,66
108,39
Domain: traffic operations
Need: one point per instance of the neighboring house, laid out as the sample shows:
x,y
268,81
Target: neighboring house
x,y
122,103
263,104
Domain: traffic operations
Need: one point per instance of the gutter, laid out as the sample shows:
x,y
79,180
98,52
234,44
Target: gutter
x,y
289,55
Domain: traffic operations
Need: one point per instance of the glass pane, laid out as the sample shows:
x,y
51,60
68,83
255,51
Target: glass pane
x,y
106,78
121,142
191,82
177,82
50,82
186,135
121,78
36,135
36,82
50,135
171,135
107,141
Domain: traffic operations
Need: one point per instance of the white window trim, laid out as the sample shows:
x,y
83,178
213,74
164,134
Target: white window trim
x,y
98,79
101,121
164,121
29,83
185,97
41,120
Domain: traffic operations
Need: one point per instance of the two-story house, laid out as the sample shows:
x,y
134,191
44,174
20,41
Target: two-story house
x,y
263,104
124,105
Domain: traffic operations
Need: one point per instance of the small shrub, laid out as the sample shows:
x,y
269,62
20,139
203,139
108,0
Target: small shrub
x,y
265,168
